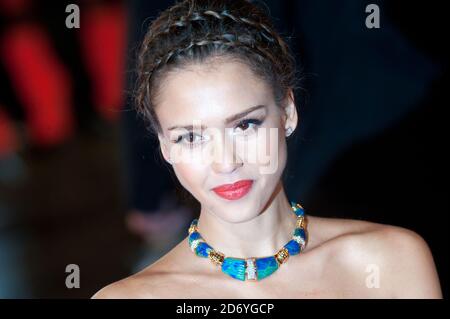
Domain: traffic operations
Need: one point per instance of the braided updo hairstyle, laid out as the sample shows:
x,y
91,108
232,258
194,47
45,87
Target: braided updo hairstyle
x,y
194,31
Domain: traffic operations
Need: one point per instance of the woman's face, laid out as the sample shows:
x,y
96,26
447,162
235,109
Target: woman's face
x,y
220,125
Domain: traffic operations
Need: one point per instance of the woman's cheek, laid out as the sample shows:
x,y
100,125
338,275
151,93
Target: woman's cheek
x,y
269,146
190,176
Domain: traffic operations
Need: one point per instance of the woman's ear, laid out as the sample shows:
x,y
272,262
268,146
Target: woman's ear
x,y
164,148
290,115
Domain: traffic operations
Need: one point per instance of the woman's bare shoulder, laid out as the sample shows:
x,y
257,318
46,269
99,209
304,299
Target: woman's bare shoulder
x,y
353,231
144,284
324,230
154,281
400,256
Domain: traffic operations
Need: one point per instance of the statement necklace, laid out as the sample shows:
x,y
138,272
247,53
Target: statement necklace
x,y
253,268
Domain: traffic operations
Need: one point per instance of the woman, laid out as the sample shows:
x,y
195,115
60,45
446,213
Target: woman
x,y
216,84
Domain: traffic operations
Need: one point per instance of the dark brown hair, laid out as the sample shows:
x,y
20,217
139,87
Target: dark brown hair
x,y
194,31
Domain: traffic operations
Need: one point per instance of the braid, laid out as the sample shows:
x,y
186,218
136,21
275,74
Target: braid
x,y
222,39
191,25
197,16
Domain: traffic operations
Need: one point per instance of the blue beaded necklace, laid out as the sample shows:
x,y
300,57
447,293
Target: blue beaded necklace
x,y
253,268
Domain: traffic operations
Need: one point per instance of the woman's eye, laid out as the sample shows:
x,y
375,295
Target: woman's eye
x,y
244,125
190,139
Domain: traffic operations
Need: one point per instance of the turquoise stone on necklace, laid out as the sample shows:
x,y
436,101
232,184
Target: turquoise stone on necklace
x,y
235,267
252,269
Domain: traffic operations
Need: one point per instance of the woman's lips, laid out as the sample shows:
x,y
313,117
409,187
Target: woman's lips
x,y
234,191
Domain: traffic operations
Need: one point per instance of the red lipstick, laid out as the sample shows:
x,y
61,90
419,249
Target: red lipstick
x,y
234,191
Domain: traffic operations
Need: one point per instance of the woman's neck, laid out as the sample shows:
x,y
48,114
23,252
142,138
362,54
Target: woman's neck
x,y
261,236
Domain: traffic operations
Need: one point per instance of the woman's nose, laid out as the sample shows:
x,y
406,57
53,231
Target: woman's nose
x,y
225,159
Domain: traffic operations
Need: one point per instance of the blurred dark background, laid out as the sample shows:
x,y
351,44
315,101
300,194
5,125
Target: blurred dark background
x,y
78,168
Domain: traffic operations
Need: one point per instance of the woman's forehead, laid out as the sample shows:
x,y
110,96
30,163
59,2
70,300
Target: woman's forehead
x,y
199,92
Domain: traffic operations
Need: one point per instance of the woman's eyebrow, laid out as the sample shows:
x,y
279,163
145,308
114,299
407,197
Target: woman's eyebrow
x,y
244,113
187,127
